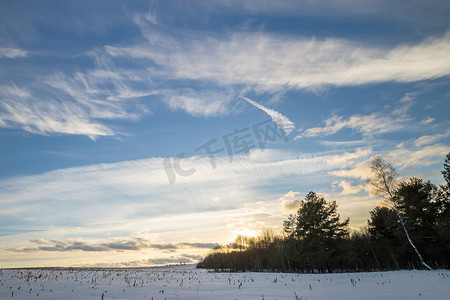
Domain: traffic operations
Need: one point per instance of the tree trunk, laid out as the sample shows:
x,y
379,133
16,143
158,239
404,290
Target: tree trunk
x,y
404,227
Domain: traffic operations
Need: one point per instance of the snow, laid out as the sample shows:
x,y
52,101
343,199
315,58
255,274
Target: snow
x,y
186,282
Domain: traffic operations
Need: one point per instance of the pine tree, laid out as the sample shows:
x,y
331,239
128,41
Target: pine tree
x,y
383,184
446,171
315,232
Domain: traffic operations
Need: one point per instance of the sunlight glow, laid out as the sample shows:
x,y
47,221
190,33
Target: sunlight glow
x,y
244,232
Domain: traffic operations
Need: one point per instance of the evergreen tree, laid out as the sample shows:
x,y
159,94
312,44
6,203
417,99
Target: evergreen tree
x,y
388,238
316,240
446,171
383,184
315,232
317,218
417,202
443,223
383,223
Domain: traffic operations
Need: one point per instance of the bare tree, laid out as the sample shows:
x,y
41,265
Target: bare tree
x,y
383,184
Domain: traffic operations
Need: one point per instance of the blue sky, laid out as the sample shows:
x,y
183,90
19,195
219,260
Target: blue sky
x,y
99,98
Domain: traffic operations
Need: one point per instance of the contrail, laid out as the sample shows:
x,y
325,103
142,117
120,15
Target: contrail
x,y
282,121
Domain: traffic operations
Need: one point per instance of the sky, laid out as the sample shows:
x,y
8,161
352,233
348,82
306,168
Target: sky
x,y
140,133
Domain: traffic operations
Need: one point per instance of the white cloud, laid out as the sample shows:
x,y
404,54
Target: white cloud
x,y
347,158
405,104
273,63
360,171
231,63
269,62
110,202
349,189
73,104
13,91
148,179
107,195
367,125
104,93
402,159
290,195
19,110
427,121
430,139
206,104
290,202
405,158
282,121
408,98
12,53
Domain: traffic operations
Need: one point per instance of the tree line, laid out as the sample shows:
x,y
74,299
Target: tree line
x,y
409,230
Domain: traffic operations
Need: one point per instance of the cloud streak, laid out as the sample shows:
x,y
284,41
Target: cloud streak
x,y
102,196
405,160
269,62
48,116
367,125
430,139
12,53
282,121
136,244
73,104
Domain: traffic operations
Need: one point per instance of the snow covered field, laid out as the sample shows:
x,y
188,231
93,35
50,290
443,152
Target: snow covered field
x,y
186,282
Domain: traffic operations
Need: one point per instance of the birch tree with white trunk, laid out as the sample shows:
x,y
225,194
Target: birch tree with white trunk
x,y
384,184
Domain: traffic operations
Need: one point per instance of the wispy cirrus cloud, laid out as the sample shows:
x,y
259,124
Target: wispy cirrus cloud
x,y
104,195
104,180
427,121
122,198
361,171
198,103
367,125
74,104
205,74
103,93
349,158
75,208
272,63
403,159
269,61
427,155
12,53
430,139
19,109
